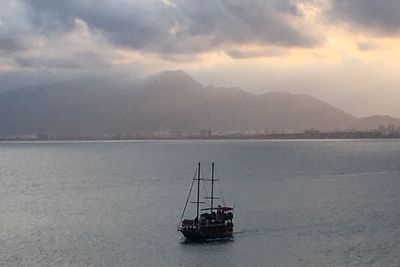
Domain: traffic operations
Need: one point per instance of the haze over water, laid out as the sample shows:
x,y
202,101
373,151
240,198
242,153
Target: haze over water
x,y
297,203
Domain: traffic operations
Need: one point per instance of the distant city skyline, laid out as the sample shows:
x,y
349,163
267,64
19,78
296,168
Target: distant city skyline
x,y
343,52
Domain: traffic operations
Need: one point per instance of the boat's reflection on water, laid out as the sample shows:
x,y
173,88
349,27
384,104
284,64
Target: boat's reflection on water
x,y
211,241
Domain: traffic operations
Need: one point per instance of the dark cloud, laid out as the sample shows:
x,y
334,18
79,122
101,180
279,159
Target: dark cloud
x,y
76,60
379,17
12,43
184,26
265,22
176,30
14,31
127,23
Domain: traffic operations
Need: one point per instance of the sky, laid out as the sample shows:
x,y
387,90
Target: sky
x,y
344,52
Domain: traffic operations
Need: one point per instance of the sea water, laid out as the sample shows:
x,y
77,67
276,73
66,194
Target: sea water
x,y
297,203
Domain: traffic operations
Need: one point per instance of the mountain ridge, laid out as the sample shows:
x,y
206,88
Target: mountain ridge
x,y
168,100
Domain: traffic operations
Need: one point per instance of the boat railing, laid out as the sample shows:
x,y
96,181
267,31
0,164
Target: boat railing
x,y
187,223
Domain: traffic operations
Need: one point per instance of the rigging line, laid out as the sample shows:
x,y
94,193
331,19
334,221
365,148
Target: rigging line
x,y
187,200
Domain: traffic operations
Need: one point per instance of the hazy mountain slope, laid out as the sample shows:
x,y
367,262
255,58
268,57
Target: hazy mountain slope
x,y
168,100
374,121
286,111
74,110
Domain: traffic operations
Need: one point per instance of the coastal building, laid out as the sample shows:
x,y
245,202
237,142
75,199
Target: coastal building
x,y
205,133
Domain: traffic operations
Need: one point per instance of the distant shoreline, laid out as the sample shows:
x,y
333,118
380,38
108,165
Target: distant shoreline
x,y
238,136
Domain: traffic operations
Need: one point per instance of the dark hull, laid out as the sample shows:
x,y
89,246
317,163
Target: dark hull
x,y
207,232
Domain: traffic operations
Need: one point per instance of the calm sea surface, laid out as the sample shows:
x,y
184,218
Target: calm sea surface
x,y
297,203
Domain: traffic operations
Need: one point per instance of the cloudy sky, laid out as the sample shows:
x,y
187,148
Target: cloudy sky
x,y
345,52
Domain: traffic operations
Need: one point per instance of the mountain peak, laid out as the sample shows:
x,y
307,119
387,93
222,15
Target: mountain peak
x,y
173,80
172,75
177,72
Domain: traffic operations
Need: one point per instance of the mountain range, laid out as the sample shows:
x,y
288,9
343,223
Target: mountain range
x,y
167,100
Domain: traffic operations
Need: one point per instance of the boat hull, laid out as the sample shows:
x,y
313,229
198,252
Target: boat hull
x,y
207,232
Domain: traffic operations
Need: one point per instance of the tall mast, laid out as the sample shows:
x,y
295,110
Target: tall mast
x,y
198,192
212,186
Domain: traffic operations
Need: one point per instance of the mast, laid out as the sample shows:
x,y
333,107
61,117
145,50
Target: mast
x,y
188,197
198,192
212,186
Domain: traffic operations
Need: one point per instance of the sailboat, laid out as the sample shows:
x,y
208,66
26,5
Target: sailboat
x,y
210,223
